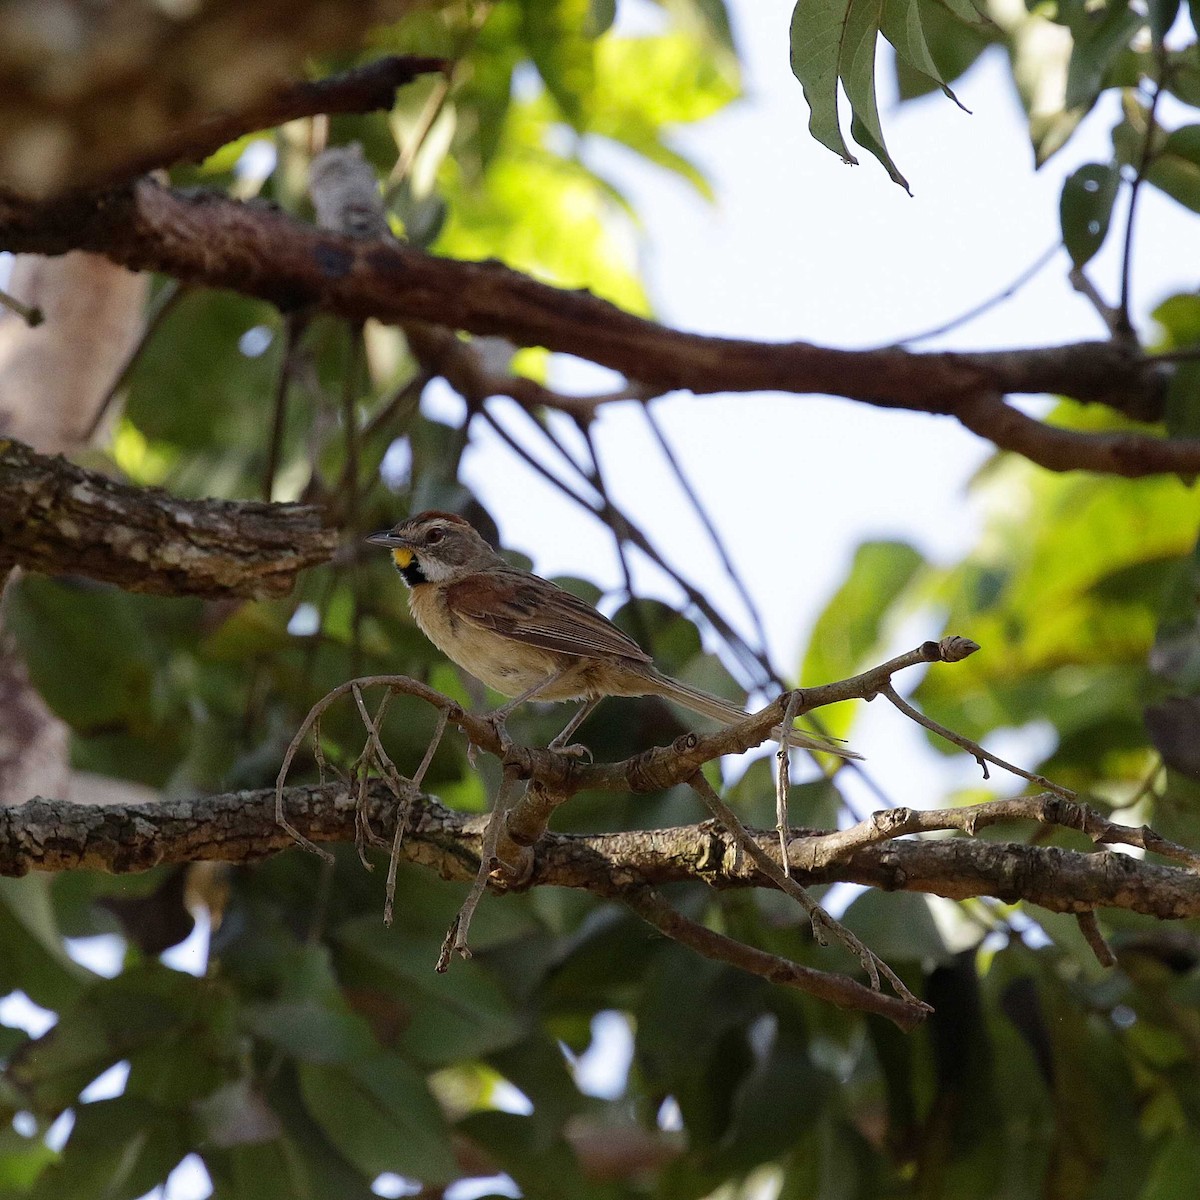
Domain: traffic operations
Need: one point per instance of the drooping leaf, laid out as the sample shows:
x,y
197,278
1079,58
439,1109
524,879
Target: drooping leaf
x,y
833,42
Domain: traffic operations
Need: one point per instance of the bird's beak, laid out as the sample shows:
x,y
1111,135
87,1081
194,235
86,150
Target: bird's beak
x,y
402,553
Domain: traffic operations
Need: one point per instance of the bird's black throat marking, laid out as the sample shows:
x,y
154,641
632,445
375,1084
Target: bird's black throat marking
x,y
412,574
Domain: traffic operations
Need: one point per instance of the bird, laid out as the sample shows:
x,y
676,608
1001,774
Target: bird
x,y
526,637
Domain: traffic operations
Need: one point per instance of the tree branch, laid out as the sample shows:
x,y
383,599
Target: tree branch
x,y
362,89
55,835
107,88
216,242
60,519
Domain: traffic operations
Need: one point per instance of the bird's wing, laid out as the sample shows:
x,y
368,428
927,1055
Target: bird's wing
x,y
538,613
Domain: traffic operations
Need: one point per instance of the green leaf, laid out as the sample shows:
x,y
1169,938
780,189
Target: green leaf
x,y
543,1172
1085,209
311,1032
1175,168
90,681
380,1115
1100,35
851,626
953,45
903,926
1162,14
903,27
834,41
964,10
118,1150
1176,1168
450,1016
556,33
32,955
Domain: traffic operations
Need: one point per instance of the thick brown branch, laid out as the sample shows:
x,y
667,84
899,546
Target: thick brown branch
x,y
60,519
219,243
53,835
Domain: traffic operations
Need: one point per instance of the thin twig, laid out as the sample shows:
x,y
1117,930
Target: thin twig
x,y
389,895
455,941
1039,264
1092,934
821,921
819,850
981,756
294,325
172,292
29,313
1145,157
714,536
783,780
831,988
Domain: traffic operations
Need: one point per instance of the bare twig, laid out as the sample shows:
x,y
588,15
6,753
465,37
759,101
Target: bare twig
x,y
981,756
1145,158
783,780
822,922
714,536
293,326
389,895
1092,934
1039,264
812,853
833,989
29,313
164,302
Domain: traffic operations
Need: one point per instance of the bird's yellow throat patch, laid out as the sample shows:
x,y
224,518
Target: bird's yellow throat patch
x,y
402,557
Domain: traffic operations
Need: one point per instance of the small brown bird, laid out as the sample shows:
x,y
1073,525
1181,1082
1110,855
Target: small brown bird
x,y
526,637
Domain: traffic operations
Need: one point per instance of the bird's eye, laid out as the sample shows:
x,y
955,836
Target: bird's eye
x,y
434,536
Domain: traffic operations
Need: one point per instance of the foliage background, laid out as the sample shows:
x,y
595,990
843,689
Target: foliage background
x,y
318,1056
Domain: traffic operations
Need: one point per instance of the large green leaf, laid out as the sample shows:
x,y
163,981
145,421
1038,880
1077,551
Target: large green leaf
x,y
380,1115
449,1016
118,1150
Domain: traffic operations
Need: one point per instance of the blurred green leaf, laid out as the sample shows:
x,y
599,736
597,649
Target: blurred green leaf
x,y
32,955
1175,167
449,1016
381,1116
91,681
558,35
1085,209
119,1149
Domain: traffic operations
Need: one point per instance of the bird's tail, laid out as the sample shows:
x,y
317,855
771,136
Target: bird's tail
x,y
721,711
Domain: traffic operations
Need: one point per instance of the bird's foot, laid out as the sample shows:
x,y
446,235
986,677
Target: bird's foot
x,y
576,750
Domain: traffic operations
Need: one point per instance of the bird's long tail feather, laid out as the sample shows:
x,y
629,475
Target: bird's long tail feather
x,y
708,705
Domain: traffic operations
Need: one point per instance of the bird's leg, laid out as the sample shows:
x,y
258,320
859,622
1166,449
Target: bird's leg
x,y
560,742
500,715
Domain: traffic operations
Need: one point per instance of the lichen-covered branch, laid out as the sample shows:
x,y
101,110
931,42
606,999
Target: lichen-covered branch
x,y
60,519
55,835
